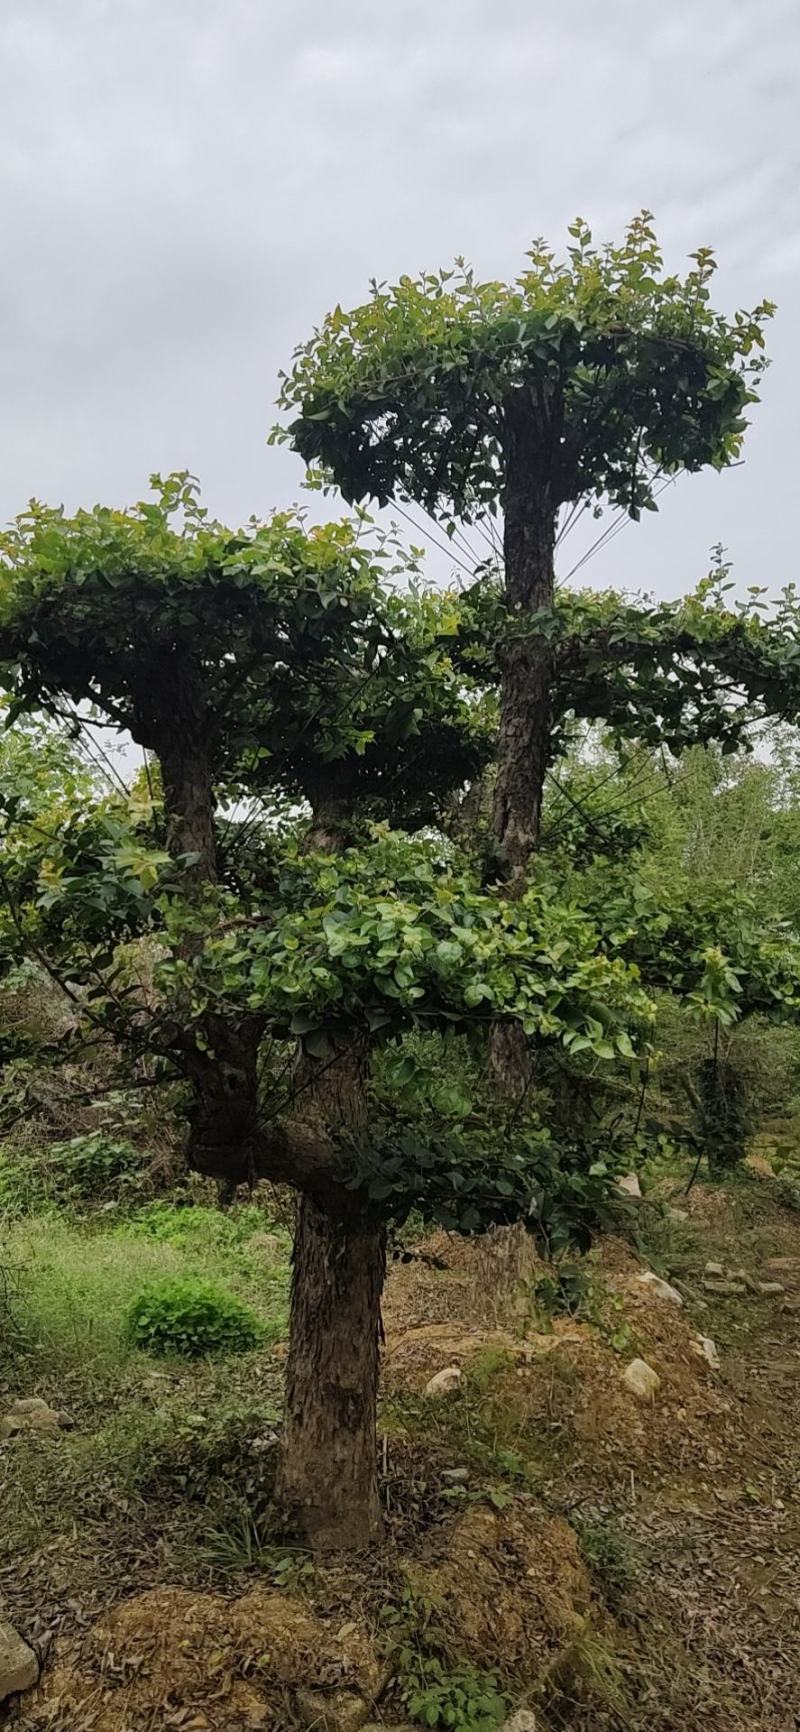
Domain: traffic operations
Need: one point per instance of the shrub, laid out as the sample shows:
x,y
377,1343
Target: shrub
x,y
87,1168
191,1317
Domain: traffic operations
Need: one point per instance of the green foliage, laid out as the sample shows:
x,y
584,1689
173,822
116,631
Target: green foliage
x,y
630,371
283,649
74,1282
91,1168
400,932
188,1225
680,673
614,1560
459,1697
434,1690
191,1317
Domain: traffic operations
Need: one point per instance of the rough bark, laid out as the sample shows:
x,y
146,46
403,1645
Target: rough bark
x,y
175,721
525,705
525,713
328,1481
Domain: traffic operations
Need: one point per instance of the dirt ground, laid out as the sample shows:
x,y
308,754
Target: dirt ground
x,y
618,1563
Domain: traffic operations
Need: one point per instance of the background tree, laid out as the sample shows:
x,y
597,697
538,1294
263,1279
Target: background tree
x,y
581,383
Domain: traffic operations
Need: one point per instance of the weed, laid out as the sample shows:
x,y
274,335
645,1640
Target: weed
x,y
434,1690
585,1669
612,1557
486,1365
84,1169
74,1283
191,1317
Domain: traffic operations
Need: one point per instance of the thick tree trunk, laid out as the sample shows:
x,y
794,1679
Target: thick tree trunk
x,y
328,1482
525,710
525,717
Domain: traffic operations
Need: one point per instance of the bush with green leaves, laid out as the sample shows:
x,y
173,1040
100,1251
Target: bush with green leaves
x,y
95,1167
191,1317
460,1698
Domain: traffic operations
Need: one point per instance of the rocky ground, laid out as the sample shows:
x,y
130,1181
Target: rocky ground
x,y
565,1540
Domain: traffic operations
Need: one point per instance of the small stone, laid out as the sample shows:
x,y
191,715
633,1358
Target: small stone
x,y
331,1711
641,1379
522,1721
629,1186
715,1269
660,1289
725,1289
444,1382
708,1351
677,1214
456,1475
30,1413
767,1288
19,1667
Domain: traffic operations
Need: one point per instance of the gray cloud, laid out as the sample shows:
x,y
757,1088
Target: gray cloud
x,y
186,188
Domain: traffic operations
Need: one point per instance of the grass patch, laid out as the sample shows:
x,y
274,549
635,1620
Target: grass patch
x,y
75,1283
614,1560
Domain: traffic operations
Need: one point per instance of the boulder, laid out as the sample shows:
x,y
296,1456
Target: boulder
x,y
660,1289
444,1382
641,1379
19,1667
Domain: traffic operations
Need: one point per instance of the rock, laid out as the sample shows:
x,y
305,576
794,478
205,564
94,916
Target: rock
x,y
767,1288
707,1350
19,1667
629,1186
522,1721
677,1214
31,1414
331,1711
746,1279
725,1289
660,1289
444,1382
715,1269
456,1475
641,1379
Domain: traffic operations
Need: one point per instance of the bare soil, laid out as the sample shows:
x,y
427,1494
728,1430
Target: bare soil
x,y
490,1495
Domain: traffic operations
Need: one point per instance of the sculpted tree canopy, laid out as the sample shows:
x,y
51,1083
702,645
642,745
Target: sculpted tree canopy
x,y
323,929
585,381
283,967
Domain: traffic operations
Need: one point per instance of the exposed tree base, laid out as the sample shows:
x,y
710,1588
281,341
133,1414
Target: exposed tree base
x,y
328,1480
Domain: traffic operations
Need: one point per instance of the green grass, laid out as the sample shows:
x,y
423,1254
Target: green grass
x,y
163,1432
74,1283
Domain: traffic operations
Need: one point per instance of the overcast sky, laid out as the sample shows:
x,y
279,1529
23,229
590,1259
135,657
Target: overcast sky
x,y
186,187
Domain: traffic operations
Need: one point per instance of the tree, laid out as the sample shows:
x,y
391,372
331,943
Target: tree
x,y
580,383
275,658
303,940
